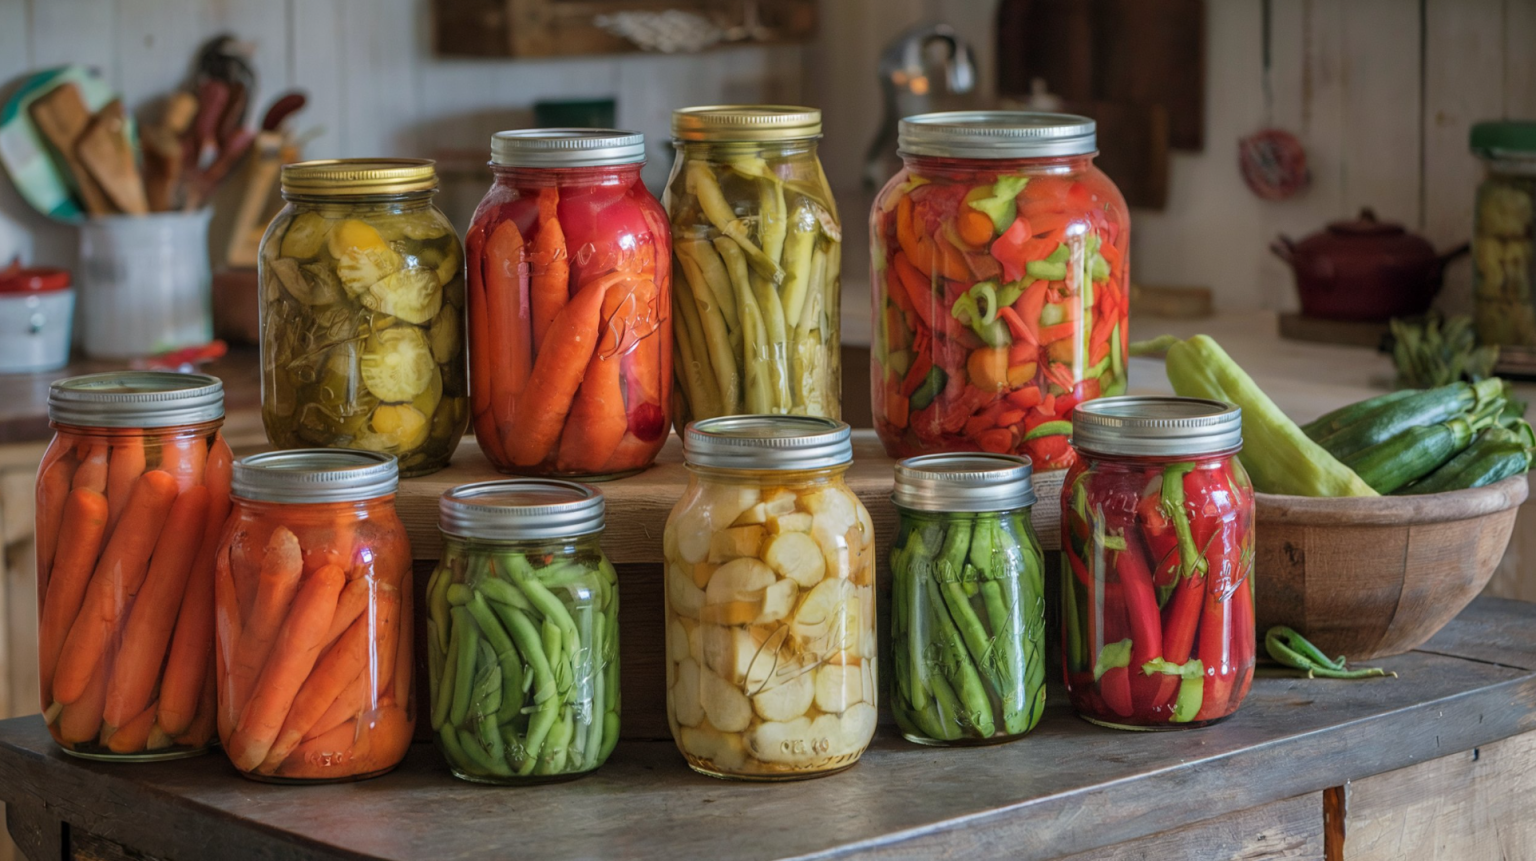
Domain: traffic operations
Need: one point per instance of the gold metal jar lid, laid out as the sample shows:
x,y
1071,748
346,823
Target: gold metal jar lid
x,y
345,177
745,123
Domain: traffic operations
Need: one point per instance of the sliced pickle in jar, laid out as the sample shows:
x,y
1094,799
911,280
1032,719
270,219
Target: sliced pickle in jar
x,y
396,428
446,334
414,295
449,267
427,401
363,258
324,288
396,364
421,226
305,236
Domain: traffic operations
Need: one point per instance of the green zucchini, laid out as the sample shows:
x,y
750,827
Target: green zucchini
x,y
1411,454
1344,416
1426,408
1496,454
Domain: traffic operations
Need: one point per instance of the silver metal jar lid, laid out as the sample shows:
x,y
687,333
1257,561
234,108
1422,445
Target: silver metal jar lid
x,y
996,134
315,475
521,508
768,442
1156,426
136,399
964,481
566,148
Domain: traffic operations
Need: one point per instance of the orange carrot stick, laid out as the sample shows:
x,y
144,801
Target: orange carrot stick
x,y
227,633
80,721
572,339
479,339
192,646
386,638
53,485
93,468
277,584
123,469
133,735
324,756
292,659
598,419
350,703
201,730
370,744
508,326
119,573
331,675
551,269
148,632
84,524
405,663
388,733
184,456
354,599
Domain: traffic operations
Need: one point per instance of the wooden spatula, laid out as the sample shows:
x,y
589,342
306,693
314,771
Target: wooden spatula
x,y
107,153
61,115
163,155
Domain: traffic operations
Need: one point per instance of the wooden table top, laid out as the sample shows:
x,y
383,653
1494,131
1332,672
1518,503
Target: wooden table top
x,y
1068,787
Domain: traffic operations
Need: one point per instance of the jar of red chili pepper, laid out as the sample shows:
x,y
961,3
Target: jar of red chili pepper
x,y
999,285
570,279
1157,589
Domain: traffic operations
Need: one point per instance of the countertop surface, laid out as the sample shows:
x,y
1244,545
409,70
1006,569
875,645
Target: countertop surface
x,y
1067,787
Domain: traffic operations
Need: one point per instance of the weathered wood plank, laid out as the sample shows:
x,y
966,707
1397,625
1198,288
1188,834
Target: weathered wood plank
x,y
1495,630
1474,804
1289,829
1038,798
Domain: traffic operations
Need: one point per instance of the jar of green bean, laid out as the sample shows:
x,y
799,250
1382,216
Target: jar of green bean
x,y
968,601
522,633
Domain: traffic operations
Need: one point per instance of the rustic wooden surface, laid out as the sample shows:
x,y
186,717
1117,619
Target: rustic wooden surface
x,y
1067,788
1376,576
1278,831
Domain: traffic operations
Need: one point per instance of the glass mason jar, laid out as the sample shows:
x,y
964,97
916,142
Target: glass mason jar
x,y
523,633
1503,266
362,314
313,596
770,601
570,280
1157,585
999,285
967,600
131,495
757,240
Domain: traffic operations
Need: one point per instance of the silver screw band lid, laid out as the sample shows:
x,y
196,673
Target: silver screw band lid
x,y
136,399
566,148
315,475
964,481
768,442
521,508
1156,426
996,135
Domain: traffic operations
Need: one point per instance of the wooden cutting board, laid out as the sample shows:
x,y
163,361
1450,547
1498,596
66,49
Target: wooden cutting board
x,y
1153,52
61,115
107,153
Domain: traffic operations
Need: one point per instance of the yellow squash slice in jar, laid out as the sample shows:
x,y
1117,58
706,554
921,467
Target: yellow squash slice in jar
x,y
397,428
363,258
396,364
305,236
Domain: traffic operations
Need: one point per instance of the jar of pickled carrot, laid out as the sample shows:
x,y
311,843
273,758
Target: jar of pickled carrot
x,y
1157,585
131,496
312,589
522,632
770,601
1000,285
570,292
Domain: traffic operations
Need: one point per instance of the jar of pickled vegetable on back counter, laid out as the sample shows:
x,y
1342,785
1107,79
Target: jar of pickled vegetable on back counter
x,y
522,632
770,601
759,249
967,600
1157,585
131,496
314,629
570,279
999,284
362,314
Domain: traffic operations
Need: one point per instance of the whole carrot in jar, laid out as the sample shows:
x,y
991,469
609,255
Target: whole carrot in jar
x,y
1000,284
313,591
570,286
131,497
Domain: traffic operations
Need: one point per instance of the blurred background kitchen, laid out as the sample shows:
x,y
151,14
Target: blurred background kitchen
x,y
1235,128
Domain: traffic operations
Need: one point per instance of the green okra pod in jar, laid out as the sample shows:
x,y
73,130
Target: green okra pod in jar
x,y
522,633
758,250
967,600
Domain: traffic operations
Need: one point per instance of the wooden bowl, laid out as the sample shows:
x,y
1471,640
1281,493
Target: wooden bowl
x,y
1372,576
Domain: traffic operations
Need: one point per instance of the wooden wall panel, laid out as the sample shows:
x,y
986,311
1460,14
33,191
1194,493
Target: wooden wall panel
x,y
1289,830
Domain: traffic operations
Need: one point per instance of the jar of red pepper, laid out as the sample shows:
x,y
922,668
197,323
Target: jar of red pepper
x,y
570,285
999,282
1157,588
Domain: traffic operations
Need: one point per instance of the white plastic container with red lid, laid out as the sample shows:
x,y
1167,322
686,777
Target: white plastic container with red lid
x,y
37,307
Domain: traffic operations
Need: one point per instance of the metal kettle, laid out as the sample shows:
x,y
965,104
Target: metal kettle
x,y
927,68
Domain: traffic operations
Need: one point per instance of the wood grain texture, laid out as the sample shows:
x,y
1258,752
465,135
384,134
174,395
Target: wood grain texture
x,y
1493,630
1281,830
1471,805
1041,797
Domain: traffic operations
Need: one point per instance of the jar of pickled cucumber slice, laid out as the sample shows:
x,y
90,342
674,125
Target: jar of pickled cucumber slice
x,y
362,314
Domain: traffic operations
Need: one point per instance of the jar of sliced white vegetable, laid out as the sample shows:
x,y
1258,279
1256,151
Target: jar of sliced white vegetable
x,y
770,601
